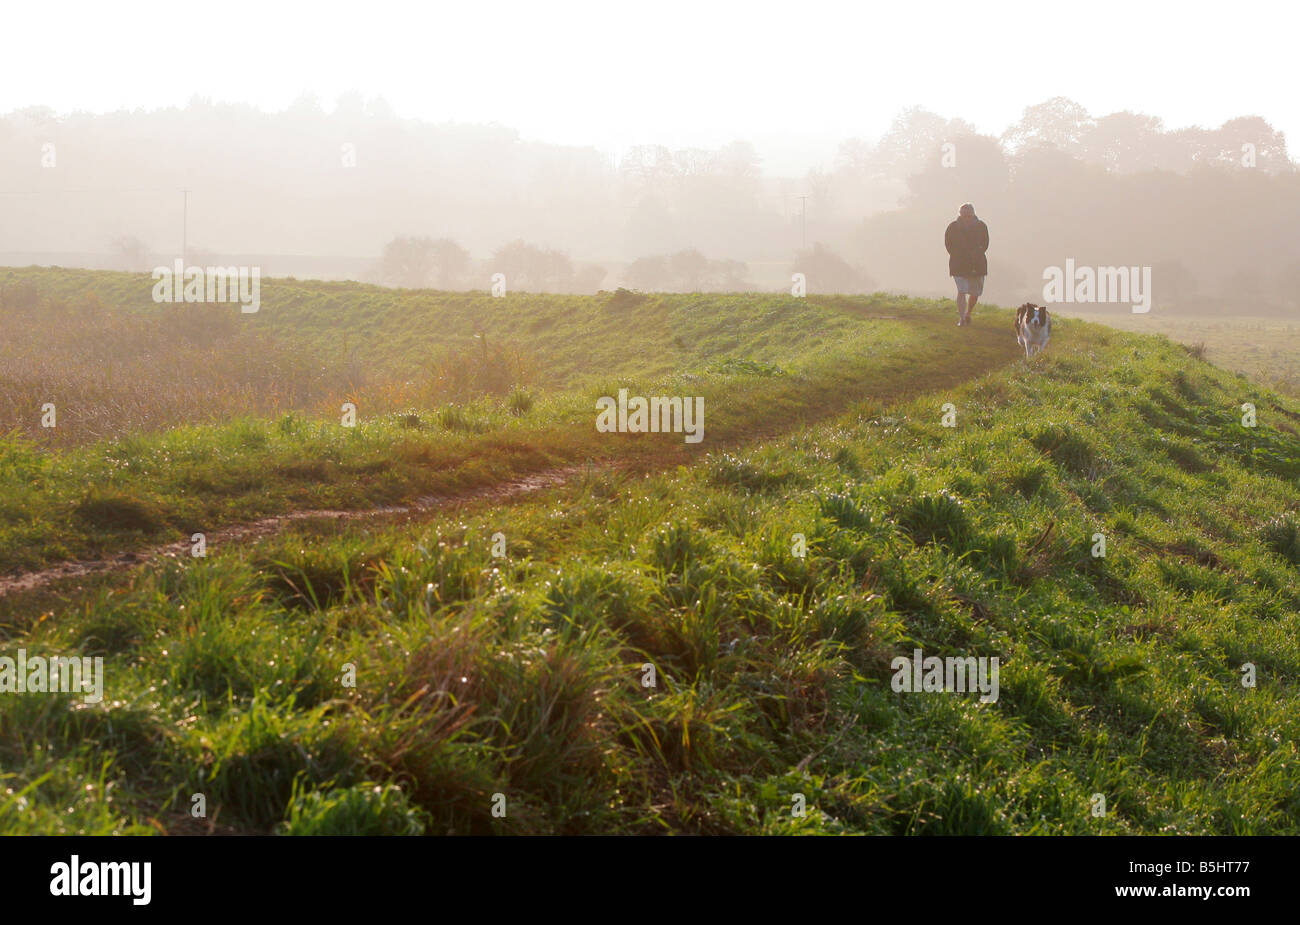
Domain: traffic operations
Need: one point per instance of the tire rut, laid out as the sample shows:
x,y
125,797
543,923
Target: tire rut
x,y
266,526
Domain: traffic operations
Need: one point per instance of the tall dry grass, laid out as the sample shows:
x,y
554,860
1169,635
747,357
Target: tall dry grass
x,y
111,372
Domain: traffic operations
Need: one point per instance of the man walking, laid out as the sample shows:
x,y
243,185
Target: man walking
x,y
967,238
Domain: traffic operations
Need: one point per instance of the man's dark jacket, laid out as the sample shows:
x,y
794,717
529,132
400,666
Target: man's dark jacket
x,y
966,246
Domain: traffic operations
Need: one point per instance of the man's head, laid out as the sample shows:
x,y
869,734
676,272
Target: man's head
x,y
966,213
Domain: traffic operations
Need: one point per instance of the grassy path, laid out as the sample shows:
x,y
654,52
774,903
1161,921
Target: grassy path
x,y
253,530
149,494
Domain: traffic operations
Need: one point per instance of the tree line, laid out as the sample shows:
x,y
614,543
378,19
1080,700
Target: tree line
x,y
1212,210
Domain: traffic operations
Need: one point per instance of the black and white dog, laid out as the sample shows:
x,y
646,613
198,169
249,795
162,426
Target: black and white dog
x,y
1033,328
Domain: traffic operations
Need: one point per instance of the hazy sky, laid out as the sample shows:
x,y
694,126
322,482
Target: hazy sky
x,y
794,77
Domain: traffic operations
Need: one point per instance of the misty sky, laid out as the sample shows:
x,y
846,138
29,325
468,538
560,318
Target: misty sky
x,y
795,78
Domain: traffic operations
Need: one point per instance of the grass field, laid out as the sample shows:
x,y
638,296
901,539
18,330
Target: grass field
x,y
673,638
1265,349
170,421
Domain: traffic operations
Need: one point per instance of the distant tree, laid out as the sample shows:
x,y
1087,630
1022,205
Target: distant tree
x,y
648,169
729,276
306,104
130,253
686,271
557,271
407,261
651,227
694,162
1124,142
648,274
1056,123
821,192
689,270
739,162
451,263
588,277
1040,170
416,262
1269,145
350,106
379,109
519,262
854,154
532,268
869,178
915,136
977,171
858,185
827,271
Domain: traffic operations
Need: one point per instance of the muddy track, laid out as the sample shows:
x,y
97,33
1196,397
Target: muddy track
x,y
432,504
252,530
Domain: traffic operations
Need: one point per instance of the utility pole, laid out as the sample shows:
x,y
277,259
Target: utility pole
x,y
803,219
185,229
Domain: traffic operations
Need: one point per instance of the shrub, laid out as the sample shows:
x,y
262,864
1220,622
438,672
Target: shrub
x,y
728,471
1067,449
363,809
624,298
675,547
520,401
844,510
937,519
1282,536
113,510
453,417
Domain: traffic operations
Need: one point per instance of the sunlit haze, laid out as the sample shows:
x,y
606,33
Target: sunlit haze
x,y
792,78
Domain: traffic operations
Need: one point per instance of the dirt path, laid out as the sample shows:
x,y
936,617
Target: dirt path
x,y
77,568
947,374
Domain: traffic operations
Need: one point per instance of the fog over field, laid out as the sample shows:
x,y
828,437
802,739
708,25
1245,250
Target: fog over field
x,y
322,190
668,183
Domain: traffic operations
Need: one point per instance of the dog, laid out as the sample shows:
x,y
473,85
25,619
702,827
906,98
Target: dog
x,y
1033,328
